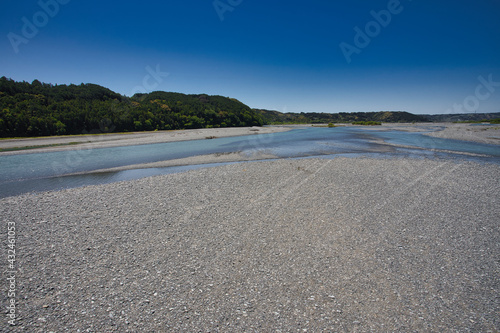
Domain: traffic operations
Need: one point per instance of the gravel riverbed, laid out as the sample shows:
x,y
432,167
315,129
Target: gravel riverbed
x,y
285,246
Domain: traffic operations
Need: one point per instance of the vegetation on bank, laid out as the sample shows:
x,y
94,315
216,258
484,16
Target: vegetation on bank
x,y
278,118
40,146
41,109
491,121
367,123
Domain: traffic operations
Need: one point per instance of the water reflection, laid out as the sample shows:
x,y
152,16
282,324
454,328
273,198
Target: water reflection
x,y
18,187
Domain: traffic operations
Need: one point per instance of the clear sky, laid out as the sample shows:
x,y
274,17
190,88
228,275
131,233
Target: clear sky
x,y
421,56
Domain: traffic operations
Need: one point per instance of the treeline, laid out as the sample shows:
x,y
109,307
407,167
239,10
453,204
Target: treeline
x,y
275,117
464,117
41,109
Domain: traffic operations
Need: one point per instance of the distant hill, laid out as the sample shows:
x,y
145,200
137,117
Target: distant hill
x,y
40,109
462,117
276,117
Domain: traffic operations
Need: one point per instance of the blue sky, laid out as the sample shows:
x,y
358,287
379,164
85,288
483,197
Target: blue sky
x,y
421,56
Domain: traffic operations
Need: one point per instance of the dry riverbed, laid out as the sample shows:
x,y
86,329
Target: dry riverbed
x,y
489,134
291,245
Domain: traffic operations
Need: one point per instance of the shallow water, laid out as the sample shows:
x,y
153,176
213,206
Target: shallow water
x,y
45,171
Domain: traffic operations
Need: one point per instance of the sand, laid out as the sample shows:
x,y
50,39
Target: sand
x,y
288,246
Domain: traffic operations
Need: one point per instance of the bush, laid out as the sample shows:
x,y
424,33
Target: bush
x,y
367,123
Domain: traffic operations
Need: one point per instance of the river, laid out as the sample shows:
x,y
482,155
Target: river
x,y
25,173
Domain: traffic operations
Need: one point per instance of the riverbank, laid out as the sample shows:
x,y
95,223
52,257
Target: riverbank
x,y
73,142
320,245
489,134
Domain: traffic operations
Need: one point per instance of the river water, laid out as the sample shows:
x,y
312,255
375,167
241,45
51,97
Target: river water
x,y
50,171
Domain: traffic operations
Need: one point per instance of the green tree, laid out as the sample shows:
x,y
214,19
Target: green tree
x,y
60,128
137,125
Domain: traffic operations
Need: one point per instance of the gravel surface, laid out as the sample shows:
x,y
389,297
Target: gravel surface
x,y
73,142
489,134
290,245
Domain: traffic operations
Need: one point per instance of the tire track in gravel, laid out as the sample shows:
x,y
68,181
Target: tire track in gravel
x,y
276,195
244,242
269,194
408,187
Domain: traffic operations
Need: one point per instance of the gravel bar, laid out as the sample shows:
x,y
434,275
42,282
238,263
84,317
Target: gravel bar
x,y
347,244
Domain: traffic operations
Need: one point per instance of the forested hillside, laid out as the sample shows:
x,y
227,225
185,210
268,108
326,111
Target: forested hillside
x,y
40,109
